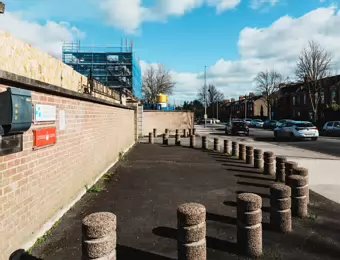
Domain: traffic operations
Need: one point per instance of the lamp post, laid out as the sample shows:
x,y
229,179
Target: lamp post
x,y
205,96
2,8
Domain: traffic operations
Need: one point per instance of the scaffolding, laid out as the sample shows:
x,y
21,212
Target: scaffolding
x,y
115,67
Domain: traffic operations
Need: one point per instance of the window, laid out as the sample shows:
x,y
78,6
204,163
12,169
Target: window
x,y
333,97
304,124
298,113
336,124
294,100
322,97
329,123
304,99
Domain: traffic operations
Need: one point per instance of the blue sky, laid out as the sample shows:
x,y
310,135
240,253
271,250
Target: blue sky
x,y
184,35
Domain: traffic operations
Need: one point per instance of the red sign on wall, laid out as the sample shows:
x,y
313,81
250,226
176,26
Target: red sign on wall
x,y
44,137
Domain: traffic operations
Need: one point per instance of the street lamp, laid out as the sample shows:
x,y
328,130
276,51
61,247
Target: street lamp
x,y
2,8
205,96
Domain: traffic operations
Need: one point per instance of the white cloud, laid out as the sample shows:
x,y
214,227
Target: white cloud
x,y
48,37
274,47
256,4
129,15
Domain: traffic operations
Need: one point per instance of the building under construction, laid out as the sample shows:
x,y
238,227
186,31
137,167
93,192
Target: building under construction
x,y
115,67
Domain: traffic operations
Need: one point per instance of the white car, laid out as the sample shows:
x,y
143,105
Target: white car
x,y
297,130
259,124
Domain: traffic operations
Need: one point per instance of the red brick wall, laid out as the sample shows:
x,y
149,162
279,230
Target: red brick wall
x,y
36,186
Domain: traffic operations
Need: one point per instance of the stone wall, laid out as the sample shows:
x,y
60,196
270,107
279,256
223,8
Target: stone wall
x,y
38,186
164,119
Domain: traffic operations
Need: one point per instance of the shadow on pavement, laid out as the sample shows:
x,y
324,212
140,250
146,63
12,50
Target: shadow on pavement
x,y
254,177
230,203
263,195
127,253
21,254
259,185
213,243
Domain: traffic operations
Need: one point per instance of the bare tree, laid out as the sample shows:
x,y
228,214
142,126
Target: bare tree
x,y
313,65
156,81
213,95
268,83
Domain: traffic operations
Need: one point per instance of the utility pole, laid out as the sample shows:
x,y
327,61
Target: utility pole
x,y
205,96
245,106
217,110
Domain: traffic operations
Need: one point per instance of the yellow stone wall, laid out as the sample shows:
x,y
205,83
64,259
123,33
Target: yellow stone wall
x,y
24,60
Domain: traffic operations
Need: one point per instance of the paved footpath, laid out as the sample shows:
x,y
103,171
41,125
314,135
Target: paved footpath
x,y
146,187
324,170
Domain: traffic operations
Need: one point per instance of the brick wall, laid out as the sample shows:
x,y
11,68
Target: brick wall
x,y
36,187
162,120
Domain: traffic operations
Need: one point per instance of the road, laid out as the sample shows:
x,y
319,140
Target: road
x,y
326,145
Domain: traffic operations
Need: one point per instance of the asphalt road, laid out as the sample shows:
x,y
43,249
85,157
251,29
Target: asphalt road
x,y
326,145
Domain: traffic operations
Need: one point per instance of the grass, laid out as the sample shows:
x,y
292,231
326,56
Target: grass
x,y
94,189
312,217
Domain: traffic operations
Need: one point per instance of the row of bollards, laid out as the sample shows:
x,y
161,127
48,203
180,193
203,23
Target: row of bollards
x,y
289,196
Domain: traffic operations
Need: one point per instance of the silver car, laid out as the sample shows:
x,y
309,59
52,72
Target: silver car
x,y
296,130
331,128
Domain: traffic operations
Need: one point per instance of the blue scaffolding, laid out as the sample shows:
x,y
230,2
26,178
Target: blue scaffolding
x,y
115,67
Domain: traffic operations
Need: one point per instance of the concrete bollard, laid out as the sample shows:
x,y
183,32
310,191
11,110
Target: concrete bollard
x,y
303,172
99,236
204,143
269,164
190,132
258,159
192,141
289,167
226,147
178,139
165,139
280,169
234,149
280,204
194,131
299,187
155,132
191,223
216,144
250,155
185,133
242,152
177,131
167,131
249,224
151,140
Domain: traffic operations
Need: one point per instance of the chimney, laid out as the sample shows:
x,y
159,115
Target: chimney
x,y
226,101
241,98
233,100
2,8
251,95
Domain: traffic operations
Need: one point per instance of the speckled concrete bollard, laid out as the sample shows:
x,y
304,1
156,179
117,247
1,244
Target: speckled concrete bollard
x,y
280,204
151,140
155,132
165,139
167,131
303,172
234,150
194,131
190,132
192,141
242,152
185,133
299,187
99,236
177,131
191,223
226,146
249,224
177,139
258,159
250,155
216,144
280,169
204,143
289,167
269,163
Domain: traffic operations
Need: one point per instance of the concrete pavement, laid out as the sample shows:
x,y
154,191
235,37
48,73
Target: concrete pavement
x,y
323,168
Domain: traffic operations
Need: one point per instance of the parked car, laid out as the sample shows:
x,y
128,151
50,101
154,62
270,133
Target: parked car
x,y
256,123
331,128
282,121
269,124
297,130
236,128
248,121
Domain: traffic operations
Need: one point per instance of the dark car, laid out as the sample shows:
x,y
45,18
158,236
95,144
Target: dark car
x,y
236,128
270,124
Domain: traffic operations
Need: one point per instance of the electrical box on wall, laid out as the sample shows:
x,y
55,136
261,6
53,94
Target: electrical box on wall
x,y
15,111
